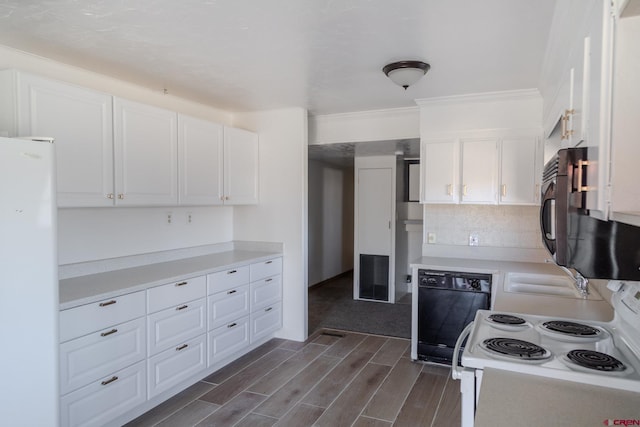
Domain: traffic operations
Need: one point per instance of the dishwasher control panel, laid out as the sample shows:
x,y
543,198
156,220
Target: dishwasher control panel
x,y
478,282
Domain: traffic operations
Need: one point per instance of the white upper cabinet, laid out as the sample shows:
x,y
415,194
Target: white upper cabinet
x,y
79,119
439,171
240,167
479,171
200,154
519,172
145,151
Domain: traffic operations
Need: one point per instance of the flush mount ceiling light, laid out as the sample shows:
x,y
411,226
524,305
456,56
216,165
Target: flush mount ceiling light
x,y
406,73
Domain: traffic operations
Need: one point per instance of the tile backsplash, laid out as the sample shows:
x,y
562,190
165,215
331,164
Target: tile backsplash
x,y
496,226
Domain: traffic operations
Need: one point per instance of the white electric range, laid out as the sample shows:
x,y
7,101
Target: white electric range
x,y
606,354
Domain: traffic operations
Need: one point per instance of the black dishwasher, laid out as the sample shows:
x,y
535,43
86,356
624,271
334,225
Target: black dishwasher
x,y
447,302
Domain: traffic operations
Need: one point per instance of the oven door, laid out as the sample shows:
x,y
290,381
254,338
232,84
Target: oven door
x,y
548,216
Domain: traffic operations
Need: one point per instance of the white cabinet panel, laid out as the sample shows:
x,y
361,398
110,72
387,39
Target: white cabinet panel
x,y
439,171
87,318
176,324
519,166
96,355
479,171
375,209
145,152
266,292
169,295
227,279
200,154
104,399
80,120
174,365
226,306
240,166
260,270
265,321
228,339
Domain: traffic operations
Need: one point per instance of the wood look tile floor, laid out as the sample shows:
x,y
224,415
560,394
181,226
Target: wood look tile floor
x,y
333,379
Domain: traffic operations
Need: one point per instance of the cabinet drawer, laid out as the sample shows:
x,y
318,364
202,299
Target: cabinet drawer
x,y
265,321
266,292
271,267
228,339
224,307
95,355
169,295
104,399
78,321
228,279
176,324
176,364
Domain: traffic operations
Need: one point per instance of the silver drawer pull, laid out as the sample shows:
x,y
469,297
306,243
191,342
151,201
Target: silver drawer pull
x,y
110,380
104,334
181,283
232,271
268,280
104,304
231,325
268,262
231,292
182,307
182,347
268,309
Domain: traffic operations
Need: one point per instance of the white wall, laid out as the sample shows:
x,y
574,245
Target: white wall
x,y
378,125
100,233
281,214
330,221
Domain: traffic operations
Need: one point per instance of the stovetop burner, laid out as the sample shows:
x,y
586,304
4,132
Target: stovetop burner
x,y
516,349
506,319
571,328
595,360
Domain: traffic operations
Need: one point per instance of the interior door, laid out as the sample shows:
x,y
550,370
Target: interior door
x,y
374,211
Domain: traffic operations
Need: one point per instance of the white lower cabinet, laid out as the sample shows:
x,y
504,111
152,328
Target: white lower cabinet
x,y
133,349
94,356
104,399
176,364
265,321
228,305
228,339
172,326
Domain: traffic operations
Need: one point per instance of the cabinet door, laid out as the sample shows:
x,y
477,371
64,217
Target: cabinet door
x,y
176,324
169,368
439,170
519,177
103,400
240,167
224,307
266,321
145,147
227,340
479,171
80,120
200,157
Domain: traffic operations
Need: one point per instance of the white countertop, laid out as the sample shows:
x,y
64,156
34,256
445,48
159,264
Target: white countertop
x,y
555,306
95,287
513,399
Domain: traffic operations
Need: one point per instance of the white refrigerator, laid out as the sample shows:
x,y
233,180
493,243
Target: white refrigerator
x,y
28,284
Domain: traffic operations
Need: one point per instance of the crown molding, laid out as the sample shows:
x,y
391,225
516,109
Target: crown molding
x,y
509,95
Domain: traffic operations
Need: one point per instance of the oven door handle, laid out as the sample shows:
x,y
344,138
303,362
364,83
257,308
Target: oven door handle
x,y
456,372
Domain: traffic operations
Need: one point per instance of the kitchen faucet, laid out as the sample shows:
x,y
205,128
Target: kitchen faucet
x,y
581,283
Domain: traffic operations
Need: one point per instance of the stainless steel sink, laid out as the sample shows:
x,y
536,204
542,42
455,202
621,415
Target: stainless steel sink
x,y
545,284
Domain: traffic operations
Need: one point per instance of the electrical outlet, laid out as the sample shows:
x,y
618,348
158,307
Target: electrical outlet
x,y
431,238
189,217
169,217
473,239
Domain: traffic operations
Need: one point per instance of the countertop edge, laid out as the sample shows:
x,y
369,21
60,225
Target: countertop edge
x,y
91,288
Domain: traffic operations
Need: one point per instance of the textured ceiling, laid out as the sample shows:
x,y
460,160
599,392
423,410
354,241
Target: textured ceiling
x,y
342,154
323,55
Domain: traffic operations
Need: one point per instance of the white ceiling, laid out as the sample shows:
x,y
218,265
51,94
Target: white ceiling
x,y
323,55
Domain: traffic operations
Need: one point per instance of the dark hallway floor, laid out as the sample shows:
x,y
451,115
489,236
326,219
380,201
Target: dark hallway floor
x,y
331,305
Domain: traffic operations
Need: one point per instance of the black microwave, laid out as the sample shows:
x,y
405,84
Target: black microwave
x,y
596,248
